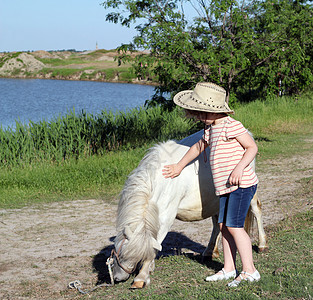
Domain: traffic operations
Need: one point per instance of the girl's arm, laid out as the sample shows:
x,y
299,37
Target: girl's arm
x,y
251,148
171,171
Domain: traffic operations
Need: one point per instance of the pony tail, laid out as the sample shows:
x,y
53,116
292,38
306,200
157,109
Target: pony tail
x,y
249,221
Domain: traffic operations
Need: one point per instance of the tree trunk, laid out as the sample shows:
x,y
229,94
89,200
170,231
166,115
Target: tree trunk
x,y
229,82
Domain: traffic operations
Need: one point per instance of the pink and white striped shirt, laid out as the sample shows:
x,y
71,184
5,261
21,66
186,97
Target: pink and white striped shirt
x,y
225,154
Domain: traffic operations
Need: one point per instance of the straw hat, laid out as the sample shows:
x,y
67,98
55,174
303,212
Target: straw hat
x,y
206,96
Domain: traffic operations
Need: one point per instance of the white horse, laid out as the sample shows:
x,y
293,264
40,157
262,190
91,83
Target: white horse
x,y
149,204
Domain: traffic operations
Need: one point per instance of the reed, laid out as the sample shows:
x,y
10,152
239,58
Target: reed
x,y
74,157
82,135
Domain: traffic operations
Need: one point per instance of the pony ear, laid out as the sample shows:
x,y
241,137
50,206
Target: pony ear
x,y
127,232
156,245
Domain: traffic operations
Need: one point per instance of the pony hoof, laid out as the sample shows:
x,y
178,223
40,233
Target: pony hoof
x,y
263,249
138,285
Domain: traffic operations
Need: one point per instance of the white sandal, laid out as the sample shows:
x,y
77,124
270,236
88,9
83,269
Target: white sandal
x,y
222,276
250,277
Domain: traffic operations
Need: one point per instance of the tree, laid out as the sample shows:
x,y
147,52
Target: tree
x,y
285,28
234,44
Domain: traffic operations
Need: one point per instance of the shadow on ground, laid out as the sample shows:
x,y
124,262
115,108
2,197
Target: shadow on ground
x,y
174,244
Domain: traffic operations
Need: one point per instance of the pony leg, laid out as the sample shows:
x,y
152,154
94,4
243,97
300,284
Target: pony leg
x,y
255,208
211,251
143,278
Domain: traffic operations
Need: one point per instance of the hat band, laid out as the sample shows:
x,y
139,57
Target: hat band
x,y
199,102
205,104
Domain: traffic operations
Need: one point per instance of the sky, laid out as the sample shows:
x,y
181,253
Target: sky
x,y
30,25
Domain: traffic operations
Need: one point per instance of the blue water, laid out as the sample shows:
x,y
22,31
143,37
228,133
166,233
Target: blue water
x,y
38,99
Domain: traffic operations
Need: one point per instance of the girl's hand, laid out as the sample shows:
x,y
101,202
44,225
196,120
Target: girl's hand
x,y
235,176
251,148
171,171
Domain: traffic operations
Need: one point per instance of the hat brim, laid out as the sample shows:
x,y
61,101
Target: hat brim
x,y
186,100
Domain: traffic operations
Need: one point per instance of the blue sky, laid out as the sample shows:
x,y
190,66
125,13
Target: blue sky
x,y
57,25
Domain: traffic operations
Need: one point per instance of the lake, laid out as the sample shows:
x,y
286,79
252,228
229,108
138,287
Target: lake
x,y
39,99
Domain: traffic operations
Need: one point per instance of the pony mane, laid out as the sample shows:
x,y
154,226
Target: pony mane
x,y
136,211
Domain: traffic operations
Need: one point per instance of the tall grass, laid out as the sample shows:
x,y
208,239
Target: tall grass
x,y
279,125
285,115
76,157
82,135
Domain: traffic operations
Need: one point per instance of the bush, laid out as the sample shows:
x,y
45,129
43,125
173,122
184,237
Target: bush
x,y
85,134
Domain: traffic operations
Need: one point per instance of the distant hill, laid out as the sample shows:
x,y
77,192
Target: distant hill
x,y
98,65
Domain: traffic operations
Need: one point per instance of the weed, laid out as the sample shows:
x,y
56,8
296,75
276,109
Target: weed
x,y
82,155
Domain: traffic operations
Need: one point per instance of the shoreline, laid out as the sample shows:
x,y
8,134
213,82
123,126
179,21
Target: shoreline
x,y
140,82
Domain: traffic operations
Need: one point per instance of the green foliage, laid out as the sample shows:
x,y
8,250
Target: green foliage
x,y
97,53
83,135
245,47
56,73
96,177
285,32
127,75
53,61
110,74
7,57
282,115
121,74
76,157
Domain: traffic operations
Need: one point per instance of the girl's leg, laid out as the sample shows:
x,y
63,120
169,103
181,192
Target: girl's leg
x,y
229,249
244,246
237,208
229,246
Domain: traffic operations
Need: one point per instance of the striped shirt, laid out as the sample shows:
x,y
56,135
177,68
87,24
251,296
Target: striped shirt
x,y
225,154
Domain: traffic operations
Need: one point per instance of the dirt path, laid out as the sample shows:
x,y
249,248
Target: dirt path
x,y
43,248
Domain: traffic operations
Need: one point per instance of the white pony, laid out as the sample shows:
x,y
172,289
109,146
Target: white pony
x,y
149,204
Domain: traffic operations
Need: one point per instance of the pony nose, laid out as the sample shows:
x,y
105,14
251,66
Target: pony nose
x,y
120,277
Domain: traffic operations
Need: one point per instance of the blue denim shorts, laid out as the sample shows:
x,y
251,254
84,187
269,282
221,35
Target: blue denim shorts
x,y
234,206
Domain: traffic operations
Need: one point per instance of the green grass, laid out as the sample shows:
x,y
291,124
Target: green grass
x,y
83,135
75,58
66,158
279,125
274,116
124,74
283,145
94,177
56,62
286,271
8,56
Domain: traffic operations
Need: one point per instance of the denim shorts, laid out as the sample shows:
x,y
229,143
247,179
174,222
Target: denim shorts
x,y
234,206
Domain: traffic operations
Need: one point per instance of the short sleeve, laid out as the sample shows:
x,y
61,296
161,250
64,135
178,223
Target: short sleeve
x,y
234,129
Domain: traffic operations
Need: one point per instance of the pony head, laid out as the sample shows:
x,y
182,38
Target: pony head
x,y
126,258
122,267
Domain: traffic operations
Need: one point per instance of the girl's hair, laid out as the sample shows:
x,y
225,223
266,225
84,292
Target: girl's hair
x,y
194,113
191,113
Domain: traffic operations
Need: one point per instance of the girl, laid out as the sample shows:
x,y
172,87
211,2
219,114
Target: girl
x,y
231,151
